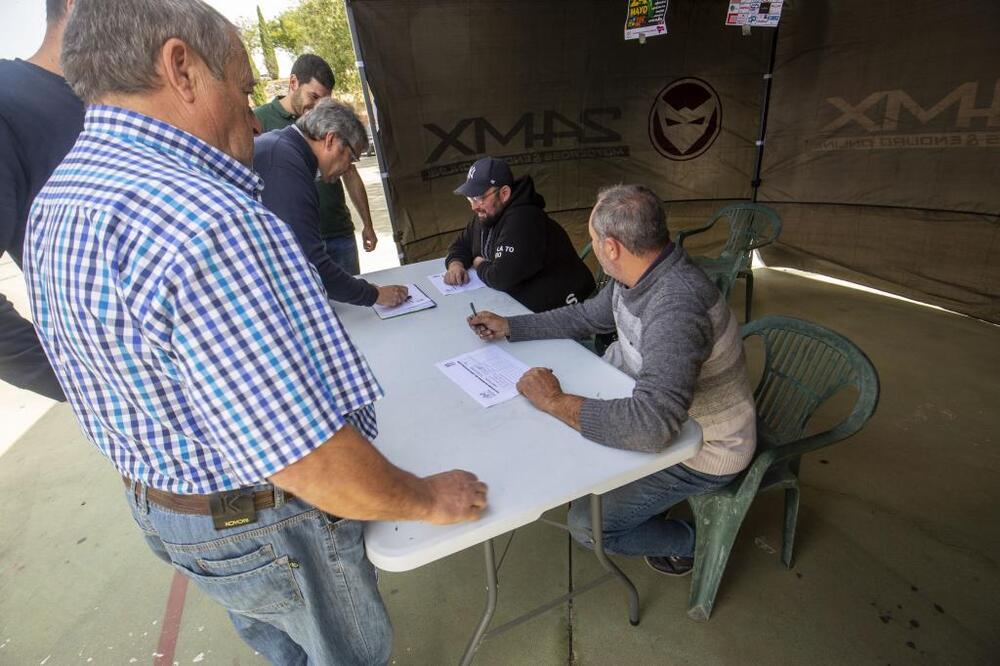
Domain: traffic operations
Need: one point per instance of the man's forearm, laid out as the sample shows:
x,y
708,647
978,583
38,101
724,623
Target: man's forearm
x,y
348,477
358,194
566,408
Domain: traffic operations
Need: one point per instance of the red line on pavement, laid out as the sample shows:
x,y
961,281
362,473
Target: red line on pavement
x,y
171,621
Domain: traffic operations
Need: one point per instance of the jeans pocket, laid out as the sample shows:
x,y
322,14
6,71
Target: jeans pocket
x,y
254,584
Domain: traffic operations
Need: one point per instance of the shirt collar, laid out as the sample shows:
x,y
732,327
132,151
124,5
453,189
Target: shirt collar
x,y
300,139
134,127
664,253
280,110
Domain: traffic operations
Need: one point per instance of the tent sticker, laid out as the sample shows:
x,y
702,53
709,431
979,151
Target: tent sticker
x,y
645,18
763,14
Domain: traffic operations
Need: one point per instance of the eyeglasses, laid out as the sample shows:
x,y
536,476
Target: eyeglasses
x,y
354,155
482,198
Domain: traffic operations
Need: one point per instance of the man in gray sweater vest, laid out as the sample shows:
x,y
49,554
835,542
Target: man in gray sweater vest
x,y
679,340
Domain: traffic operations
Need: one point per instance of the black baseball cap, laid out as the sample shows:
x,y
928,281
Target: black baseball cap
x,y
485,173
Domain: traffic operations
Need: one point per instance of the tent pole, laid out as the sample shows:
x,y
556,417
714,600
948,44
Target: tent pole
x,y
374,123
765,103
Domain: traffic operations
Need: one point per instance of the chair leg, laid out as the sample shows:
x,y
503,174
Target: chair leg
x,y
748,275
716,524
791,518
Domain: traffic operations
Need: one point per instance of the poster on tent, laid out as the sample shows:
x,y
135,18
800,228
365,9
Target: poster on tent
x,y
763,14
646,18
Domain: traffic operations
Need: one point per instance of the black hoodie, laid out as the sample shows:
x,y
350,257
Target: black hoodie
x,y
528,255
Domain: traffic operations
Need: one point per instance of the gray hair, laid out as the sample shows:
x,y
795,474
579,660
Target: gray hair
x,y
112,46
331,116
633,216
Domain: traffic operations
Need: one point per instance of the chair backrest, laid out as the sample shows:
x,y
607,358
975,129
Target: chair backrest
x,y
750,226
804,365
600,277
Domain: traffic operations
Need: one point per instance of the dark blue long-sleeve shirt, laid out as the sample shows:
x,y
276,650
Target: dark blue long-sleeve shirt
x,y
40,118
288,166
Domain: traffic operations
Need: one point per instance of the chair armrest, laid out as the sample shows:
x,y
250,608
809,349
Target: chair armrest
x,y
681,235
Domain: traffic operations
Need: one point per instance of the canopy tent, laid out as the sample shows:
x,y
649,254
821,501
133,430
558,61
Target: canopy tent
x,y
882,143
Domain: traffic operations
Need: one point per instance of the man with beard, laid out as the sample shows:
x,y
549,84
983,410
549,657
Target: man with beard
x,y
513,245
312,80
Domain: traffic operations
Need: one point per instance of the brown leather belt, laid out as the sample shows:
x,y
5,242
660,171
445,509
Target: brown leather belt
x,y
200,504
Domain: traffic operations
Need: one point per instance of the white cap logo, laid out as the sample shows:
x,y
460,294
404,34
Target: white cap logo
x,y
472,172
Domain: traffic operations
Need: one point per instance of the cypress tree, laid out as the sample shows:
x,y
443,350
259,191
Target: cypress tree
x,y
267,46
259,95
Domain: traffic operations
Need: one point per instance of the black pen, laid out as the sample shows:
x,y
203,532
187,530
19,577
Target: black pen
x,y
480,328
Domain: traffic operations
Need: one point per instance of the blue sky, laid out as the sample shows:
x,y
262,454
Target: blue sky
x,y
22,23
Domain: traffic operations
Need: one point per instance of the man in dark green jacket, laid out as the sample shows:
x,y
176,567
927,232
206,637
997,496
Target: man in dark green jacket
x,y
312,80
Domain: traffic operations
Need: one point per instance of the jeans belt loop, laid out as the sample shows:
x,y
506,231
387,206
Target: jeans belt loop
x,y
279,497
141,502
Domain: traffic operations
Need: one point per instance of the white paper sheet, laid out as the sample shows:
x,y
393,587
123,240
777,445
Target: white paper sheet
x,y
446,289
417,300
489,375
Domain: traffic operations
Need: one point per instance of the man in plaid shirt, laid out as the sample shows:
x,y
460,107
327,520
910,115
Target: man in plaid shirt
x,y
198,350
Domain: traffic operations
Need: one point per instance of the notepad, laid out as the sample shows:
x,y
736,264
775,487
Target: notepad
x,y
417,300
447,289
489,375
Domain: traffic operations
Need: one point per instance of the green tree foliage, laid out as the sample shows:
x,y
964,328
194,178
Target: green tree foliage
x,y
320,27
259,95
267,45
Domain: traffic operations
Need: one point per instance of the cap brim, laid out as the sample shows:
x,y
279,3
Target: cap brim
x,y
471,189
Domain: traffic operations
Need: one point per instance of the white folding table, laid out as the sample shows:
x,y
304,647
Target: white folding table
x,y
531,461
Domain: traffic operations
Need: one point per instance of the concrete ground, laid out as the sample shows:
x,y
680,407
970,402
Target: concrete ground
x,y
896,553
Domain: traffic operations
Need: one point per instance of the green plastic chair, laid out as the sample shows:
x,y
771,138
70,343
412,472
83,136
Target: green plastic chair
x,y
751,226
804,365
600,277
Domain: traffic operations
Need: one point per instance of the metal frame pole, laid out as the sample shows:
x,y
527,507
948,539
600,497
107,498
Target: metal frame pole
x,y
765,105
373,121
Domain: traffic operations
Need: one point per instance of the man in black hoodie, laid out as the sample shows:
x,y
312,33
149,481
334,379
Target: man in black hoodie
x,y
513,245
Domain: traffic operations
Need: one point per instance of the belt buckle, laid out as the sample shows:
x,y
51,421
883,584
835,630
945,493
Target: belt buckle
x,y
233,508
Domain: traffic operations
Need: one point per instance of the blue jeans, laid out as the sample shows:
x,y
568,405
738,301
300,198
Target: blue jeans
x,y
296,583
344,252
633,514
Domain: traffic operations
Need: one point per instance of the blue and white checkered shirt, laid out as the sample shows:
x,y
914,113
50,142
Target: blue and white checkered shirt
x,y
193,339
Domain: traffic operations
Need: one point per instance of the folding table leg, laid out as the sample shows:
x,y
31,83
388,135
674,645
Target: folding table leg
x,y
597,526
491,605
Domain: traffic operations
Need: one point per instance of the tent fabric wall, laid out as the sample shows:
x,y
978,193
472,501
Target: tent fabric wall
x,y
883,141
553,88
883,147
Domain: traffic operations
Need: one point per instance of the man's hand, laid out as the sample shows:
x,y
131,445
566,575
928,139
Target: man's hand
x,y
457,496
348,477
456,274
368,238
476,261
392,295
489,326
540,387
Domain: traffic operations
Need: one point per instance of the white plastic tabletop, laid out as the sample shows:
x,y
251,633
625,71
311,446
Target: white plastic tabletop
x,y
531,461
